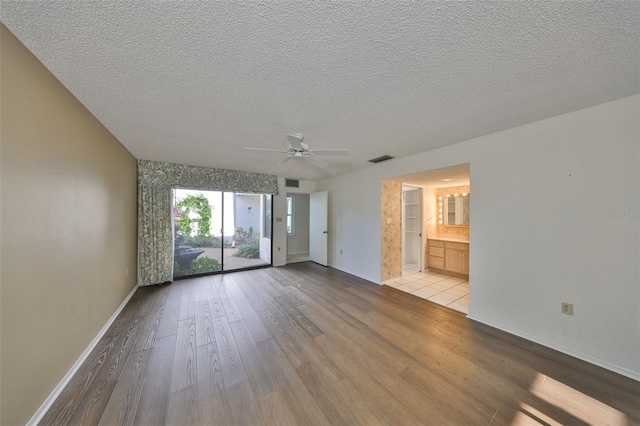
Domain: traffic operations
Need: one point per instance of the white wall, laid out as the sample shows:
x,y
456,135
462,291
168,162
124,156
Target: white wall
x,y
244,217
542,230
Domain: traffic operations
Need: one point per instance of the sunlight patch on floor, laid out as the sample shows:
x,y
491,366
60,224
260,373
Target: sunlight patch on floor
x,y
527,415
574,403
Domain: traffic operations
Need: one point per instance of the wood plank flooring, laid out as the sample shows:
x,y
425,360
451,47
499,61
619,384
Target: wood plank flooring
x,y
308,345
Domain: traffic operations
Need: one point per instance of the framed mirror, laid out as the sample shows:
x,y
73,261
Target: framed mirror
x,y
454,209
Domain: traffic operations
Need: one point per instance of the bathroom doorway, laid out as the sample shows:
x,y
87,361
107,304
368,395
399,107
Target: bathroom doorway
x,y
439,201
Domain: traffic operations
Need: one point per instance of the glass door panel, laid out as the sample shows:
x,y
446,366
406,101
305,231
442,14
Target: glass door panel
x,y
218,231
198,239
248,242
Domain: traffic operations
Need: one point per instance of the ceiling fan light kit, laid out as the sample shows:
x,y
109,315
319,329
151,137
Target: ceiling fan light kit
x,y
298,149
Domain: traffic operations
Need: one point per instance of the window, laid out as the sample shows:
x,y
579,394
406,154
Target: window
x,y
290,210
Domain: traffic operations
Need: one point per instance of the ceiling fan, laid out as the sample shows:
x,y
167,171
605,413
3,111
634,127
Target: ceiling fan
x,y
298,149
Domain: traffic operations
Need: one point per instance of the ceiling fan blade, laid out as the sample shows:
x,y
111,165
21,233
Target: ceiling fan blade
x,y
284,160
268,149
295,141
316,162
329,151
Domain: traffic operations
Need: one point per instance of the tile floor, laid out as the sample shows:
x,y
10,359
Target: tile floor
x,y
452,292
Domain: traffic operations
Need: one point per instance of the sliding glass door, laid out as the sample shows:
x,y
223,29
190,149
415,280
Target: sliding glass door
x,y
220,231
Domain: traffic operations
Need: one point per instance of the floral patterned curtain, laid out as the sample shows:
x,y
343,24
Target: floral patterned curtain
x,y
155,236
169,175
155,232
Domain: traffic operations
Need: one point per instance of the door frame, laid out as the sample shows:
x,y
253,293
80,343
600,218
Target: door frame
x,y
420,218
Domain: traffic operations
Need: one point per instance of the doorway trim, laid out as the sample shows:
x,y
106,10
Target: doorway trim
x,y
412,227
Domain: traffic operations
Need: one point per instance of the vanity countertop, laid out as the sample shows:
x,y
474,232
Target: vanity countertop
x,y
450,239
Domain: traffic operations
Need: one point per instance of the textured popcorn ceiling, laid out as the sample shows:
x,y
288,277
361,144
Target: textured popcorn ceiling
x,y
194,83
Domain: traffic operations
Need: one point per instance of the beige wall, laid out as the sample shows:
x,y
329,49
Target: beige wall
x,y
68,221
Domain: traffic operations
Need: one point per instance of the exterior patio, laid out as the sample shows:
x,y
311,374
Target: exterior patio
x,y
230,260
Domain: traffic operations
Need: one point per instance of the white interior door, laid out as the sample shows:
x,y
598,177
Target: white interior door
x,y
318,230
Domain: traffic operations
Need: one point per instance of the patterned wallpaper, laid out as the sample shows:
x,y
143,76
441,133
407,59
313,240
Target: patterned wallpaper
x,y
429,210
430,218
391,235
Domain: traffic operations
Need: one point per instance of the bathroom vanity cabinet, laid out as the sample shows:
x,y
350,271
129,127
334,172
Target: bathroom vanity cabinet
x,y
449,256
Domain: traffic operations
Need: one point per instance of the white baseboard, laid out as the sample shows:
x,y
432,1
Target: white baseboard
x,y
297,257
608,366
37,417
372,280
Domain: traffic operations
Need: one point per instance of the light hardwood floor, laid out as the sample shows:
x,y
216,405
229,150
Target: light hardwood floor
x,y
307,345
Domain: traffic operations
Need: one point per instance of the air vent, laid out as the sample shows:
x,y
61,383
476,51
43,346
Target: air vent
x,y
381,159
292,183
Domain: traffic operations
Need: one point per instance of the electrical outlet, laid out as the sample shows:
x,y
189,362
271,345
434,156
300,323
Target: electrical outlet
x,y
566,308
340,251
126,272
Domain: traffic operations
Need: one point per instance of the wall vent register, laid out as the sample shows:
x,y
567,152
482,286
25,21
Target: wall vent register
x,y
381,159
292,183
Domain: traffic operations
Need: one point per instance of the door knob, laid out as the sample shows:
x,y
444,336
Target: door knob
x,y
324,232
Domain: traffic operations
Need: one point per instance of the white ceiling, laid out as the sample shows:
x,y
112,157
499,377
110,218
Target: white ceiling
x,y
194,83
457,175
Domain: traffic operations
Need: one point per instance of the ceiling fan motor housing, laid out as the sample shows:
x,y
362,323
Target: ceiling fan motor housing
x,y
299,149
